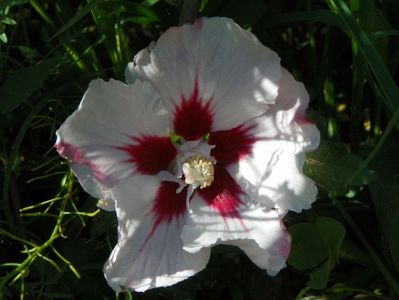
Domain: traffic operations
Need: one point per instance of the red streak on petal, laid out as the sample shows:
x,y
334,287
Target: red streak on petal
x,y
69,151
232,145
73,153
150,154
193,118
223,195
168,204
301,120
199,23
285,245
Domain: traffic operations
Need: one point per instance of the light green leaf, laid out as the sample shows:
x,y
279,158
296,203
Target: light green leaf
x,y
3,38
7,20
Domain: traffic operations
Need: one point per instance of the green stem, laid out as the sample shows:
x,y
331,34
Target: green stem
x,y
370,249
39,9
57,231
373,153
9,168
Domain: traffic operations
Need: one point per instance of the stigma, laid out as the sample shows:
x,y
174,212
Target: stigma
x,y
198,171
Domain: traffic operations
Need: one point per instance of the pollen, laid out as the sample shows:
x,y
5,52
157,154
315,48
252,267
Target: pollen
x,y
198,171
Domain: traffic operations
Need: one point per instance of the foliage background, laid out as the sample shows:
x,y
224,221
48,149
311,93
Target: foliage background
x,y
53,239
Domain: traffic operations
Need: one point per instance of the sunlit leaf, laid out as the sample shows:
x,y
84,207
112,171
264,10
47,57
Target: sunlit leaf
x,y
332,166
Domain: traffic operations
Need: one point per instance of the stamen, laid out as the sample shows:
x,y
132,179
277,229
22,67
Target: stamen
x,y
167,176
198,171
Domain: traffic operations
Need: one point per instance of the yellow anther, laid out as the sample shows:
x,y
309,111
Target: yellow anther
x,y
199,171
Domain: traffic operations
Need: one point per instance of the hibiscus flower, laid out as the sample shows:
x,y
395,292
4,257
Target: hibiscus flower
x,y
204,145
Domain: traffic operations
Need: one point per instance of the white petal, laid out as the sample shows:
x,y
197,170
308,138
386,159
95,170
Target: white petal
x,y
140,261
141,58
273,175
272,259
258,232
109,115
135,195
273,172
230,65
94,187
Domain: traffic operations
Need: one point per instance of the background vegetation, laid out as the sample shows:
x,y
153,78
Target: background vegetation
x,y
53,239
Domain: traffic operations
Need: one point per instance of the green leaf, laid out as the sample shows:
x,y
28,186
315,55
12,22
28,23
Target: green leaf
x,y
7,20
319,277
9,3
308,248
77,17
316,248
371,55
333,233
149,2
385,191
20,85
30,54
140,14
246,12
351,251
3,38
332,166
322,15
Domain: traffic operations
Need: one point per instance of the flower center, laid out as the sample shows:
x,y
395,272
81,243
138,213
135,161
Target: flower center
x,y
198,171
195,162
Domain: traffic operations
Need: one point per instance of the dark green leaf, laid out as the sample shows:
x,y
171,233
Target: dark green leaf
x,y
75,19
315,248
385,193
371,55
322,15
9,3
308,248
23,83
7,20
319,276
333,233
245,13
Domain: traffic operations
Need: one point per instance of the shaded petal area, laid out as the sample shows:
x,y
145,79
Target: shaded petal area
x,y
92,186
149,252
230,67
257,231
272,173
135,195
109,116
274,257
